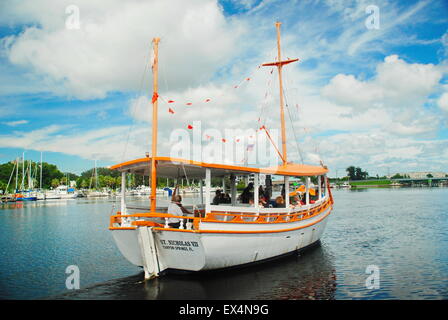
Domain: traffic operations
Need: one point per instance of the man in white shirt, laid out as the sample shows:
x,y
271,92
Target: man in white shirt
x,y
175,208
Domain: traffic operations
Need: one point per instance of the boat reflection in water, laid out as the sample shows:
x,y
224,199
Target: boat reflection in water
x,y
307,276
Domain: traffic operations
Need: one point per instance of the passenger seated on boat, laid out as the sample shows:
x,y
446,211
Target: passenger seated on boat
x,y
263,203
251,202
279,202
294,201
176,208
225,198
218,198
246,194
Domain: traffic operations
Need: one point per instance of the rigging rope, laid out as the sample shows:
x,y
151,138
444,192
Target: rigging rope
x,y
138,104
296,140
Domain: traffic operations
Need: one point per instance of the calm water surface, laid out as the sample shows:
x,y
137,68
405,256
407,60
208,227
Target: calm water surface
x,y
401,231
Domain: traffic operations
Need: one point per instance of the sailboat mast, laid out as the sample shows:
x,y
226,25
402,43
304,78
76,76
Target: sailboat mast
x,y
282,111
40,180
29,176
279,64
154,124
22,185
17,172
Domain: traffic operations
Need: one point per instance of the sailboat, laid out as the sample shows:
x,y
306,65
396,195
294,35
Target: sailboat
x,y
224,235
95,193
23,194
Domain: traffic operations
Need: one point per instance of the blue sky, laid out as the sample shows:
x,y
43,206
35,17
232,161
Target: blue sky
x,y
374,98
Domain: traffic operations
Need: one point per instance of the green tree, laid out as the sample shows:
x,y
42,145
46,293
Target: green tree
x,y
351,172
55,182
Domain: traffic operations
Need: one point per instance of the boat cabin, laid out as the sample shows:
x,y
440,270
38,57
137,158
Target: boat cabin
x,y
204,172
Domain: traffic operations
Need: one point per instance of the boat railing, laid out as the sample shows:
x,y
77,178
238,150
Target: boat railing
x,y
161,220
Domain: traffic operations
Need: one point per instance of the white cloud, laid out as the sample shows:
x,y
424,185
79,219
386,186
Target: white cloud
x,y
442,102
15,123
108,52
102,144
397,84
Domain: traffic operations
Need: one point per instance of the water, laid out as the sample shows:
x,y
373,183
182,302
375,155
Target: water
x,y
403,232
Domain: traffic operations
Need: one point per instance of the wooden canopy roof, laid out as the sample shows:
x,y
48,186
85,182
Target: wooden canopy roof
x,y
175,167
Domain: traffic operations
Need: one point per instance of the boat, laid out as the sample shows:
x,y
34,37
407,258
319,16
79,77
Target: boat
x,y
64,192
52,195
224,235
96,194
25,196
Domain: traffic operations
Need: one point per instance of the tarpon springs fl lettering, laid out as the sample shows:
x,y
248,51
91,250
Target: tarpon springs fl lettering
x,y
179,245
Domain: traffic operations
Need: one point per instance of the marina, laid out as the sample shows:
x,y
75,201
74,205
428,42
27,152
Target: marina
x,y
221,150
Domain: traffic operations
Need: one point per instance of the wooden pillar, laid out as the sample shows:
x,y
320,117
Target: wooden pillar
x,y
208,181
123,192
325,184
233,188
201,191
319,183
307,190
256,195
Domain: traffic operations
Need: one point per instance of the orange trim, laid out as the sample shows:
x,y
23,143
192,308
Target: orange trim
x,y
147,224
279,63
289,169
237,218
246,232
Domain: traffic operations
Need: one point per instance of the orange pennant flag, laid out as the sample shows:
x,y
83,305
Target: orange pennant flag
x,y
170,101
170,110
224,140
154,97
247,79
207,100
188,103
190,126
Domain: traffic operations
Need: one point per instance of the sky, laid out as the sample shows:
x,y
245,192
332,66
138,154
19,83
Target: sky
x,y
370,88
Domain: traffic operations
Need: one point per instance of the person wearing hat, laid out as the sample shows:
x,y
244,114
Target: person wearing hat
x,y
176,208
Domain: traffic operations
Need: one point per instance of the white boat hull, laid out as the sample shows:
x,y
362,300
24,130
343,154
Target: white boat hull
x,y
210,249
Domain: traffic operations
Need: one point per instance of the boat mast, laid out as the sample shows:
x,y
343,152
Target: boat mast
x,y
154,125
279,64
40,180
17,172
22,185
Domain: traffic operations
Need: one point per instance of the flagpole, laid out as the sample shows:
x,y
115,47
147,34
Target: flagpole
x,y
279,64
154,125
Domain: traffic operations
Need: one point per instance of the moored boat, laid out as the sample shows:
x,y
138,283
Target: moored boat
x,y
222,235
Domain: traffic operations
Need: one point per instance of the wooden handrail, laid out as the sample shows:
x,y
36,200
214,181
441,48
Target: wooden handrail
x,y
236,217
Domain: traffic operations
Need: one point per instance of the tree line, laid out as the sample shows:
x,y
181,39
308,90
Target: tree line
x,y
52,177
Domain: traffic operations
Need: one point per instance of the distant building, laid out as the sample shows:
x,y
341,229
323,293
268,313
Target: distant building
x,y
421,175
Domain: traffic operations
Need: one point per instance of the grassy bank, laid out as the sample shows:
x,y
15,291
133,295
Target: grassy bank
x,y
371,183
